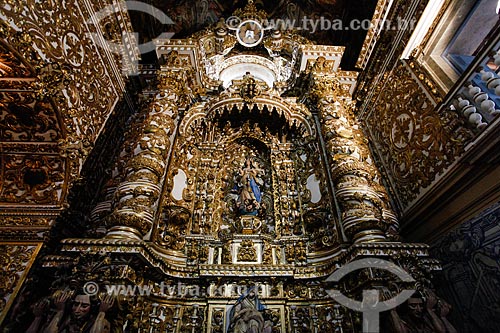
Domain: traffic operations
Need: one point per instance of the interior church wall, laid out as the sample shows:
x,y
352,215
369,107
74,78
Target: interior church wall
x,y
414,143
57,94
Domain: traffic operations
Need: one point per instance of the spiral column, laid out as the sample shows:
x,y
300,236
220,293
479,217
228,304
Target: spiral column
x,y
366,213
136,198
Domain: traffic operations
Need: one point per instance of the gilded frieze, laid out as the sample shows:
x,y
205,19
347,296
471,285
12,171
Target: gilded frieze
x,y
15,260
20,224
68,68
19,220
414,142
32,179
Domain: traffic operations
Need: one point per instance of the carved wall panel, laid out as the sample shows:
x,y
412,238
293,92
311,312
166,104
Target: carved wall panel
x,y
75,85
15,260
37,179
32,168
57,90
414,144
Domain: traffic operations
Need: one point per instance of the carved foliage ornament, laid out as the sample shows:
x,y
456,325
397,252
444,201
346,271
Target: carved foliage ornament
x,y
36,179
15,260
68,65
11,66
24,118
412,139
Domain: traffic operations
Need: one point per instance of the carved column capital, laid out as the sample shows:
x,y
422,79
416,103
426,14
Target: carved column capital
x,y
324,86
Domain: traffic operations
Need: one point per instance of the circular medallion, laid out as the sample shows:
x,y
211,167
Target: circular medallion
x,y
402,131
249,33
73,49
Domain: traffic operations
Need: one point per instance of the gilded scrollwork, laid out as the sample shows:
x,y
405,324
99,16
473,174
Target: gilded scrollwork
x,y
15,260
57,88
36,179
24,118
65,54
173,227
247,251
267,256
296,253
32,221
415,143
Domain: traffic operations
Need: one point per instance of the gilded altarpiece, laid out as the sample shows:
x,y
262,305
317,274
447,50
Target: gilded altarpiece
x,y
253,179
242,183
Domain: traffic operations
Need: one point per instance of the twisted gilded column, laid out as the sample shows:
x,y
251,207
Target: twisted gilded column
x,y
136,198
366,213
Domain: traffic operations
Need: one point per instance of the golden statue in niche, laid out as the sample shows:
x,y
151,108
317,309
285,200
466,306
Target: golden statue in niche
x,y
249,182
247,190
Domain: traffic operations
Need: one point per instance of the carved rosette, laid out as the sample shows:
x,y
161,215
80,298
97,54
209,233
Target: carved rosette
x,y
366,214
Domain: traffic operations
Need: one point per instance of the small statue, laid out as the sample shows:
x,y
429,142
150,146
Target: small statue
x,y
419,315
80,318
221,28
246,315
250,196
